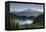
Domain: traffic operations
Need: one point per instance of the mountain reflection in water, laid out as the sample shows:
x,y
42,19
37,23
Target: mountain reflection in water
x,y
22,22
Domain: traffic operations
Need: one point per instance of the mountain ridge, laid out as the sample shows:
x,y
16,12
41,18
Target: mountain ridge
x,y
27,12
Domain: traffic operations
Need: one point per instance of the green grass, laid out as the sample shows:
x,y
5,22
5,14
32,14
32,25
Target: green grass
x,y
30,26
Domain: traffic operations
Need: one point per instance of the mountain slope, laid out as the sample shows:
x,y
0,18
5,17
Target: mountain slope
x,y
27,13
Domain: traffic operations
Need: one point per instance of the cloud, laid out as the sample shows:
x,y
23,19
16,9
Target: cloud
x,y
17,7
36,9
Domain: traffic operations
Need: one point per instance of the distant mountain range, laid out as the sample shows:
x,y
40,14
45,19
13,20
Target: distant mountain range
x,y
27,13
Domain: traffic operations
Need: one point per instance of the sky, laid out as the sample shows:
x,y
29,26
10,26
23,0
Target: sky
x,y
18,7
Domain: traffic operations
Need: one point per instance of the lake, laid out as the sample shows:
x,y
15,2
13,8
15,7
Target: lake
x,y
22,22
